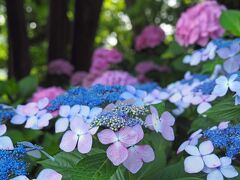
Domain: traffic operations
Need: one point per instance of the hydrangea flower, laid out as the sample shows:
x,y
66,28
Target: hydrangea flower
x,y
150,37
200,157
195,27
224,170
66,113
89,114
192,140
49,93
77,78
223,84
203,102
60,67
156,96
5,141
163,124
80,135
48,174
117,152
34,114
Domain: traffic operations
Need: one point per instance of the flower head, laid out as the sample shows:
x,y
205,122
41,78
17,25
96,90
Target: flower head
x,y
60,67
49,93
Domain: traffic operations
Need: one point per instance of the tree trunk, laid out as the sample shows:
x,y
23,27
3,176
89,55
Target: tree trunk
x,y
84,31
19,60
58,29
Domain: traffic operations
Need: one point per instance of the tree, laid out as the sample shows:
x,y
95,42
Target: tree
x,y
58,29
84,31
19,60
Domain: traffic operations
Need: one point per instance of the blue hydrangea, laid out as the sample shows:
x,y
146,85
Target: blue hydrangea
x,y
120,116
12,163
6,113
199,77
226,139
148,87
221,43
97,95
205,88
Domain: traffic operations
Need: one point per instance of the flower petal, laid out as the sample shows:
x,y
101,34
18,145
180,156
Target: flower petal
x,y
107,136
225,161
64,110
167,118
193,164
78,125
133,162
6,143
117,153
18,119
192,150
31,122
20,178
203,107
42,103
215,175
127,136
220,90
182,146
168,133
211,161
69,141
229,171
49,174
206,147
74,110
3,129
85,143
145,152
61,125
84,111
138,129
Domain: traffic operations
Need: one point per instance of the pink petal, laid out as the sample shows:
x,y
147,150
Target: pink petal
x,y
61,125
211,161
3,129
78,125
168,133
148,122
133,162
69,141
117,153
193,164
49,174
167,119
31,122
206,147
6,143
107,136
127,136
85,143
138,129
145,152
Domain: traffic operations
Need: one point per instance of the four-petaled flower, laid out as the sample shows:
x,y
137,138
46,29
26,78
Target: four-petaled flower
x,y
80,135
224,170
5,141
223,84
200,157
163,124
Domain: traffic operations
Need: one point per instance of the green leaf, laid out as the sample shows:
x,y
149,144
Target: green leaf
x,y
189,178
95,165
27,86
23,135
230,21
160,107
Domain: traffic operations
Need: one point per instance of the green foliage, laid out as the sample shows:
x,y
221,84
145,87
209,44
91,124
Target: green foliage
x,y
230,21
160,107
76,166
27,86
223,110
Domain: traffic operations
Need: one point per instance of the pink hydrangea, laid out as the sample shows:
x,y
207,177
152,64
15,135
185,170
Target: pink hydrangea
x,y
78,77
115,78
150,37
49,93
60,67
199,23
103,58
147,66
